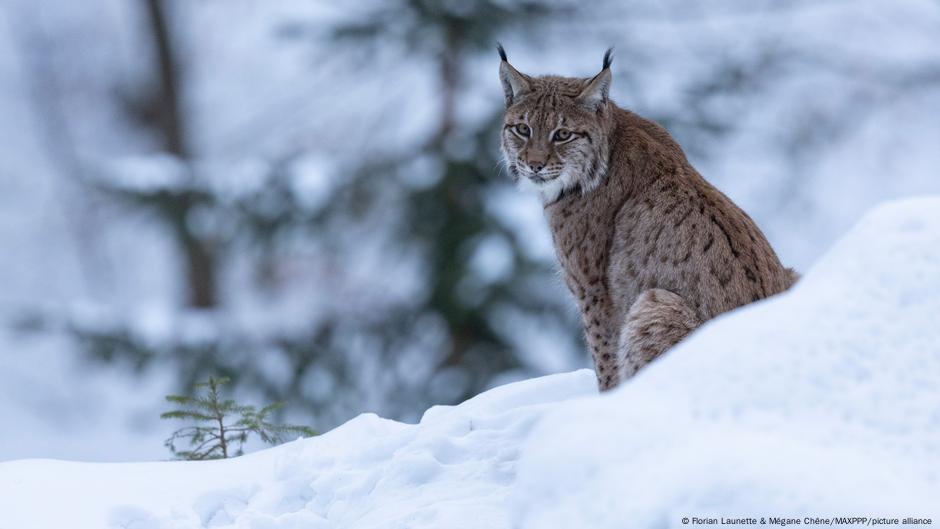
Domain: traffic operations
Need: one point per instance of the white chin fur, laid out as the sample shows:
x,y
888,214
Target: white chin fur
x,y
548,191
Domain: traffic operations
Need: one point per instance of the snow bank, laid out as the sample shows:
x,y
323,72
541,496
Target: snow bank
x,y
453,470
820,402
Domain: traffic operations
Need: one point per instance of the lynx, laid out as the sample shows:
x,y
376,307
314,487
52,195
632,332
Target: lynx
x,y
649,249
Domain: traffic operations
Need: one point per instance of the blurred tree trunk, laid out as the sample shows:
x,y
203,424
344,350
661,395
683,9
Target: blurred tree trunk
x,y
200,264
168,102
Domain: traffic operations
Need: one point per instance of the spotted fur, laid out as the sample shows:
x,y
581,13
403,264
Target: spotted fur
x,y
649,249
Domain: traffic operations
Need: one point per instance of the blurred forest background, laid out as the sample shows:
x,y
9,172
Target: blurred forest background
x,y
306,197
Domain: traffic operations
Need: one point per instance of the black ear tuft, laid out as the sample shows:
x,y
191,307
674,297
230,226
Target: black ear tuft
x,y
608,58
502,52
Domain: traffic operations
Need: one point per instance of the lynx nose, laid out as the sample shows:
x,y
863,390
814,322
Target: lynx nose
x,y
536,159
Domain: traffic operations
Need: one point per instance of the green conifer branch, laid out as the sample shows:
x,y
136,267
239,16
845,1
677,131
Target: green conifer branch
x,y
222,426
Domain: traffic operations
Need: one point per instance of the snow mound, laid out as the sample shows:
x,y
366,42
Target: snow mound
x,y
819,402
454,469
823,401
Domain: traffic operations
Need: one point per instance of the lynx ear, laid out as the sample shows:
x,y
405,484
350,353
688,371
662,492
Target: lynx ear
x,y
595,93
514,81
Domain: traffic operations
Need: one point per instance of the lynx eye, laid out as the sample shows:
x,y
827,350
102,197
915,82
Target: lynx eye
x,y
523,130
561,135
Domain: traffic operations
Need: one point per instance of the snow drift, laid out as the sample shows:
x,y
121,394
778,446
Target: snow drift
x,y
822,401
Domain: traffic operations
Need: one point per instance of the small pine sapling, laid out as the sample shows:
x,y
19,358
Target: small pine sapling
x,y
222,426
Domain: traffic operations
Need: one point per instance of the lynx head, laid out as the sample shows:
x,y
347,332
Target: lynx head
x,y
555,132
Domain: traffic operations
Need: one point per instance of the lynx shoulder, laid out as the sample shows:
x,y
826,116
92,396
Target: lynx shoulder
x,y
649,249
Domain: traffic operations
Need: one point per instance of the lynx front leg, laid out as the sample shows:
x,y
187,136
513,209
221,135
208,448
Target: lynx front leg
x,y
657,320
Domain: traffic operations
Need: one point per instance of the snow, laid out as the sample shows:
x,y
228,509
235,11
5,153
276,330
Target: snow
x,y
839,124
819,402
454,470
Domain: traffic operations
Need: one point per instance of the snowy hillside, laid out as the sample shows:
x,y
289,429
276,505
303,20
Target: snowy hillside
x,y
312,229
821,402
